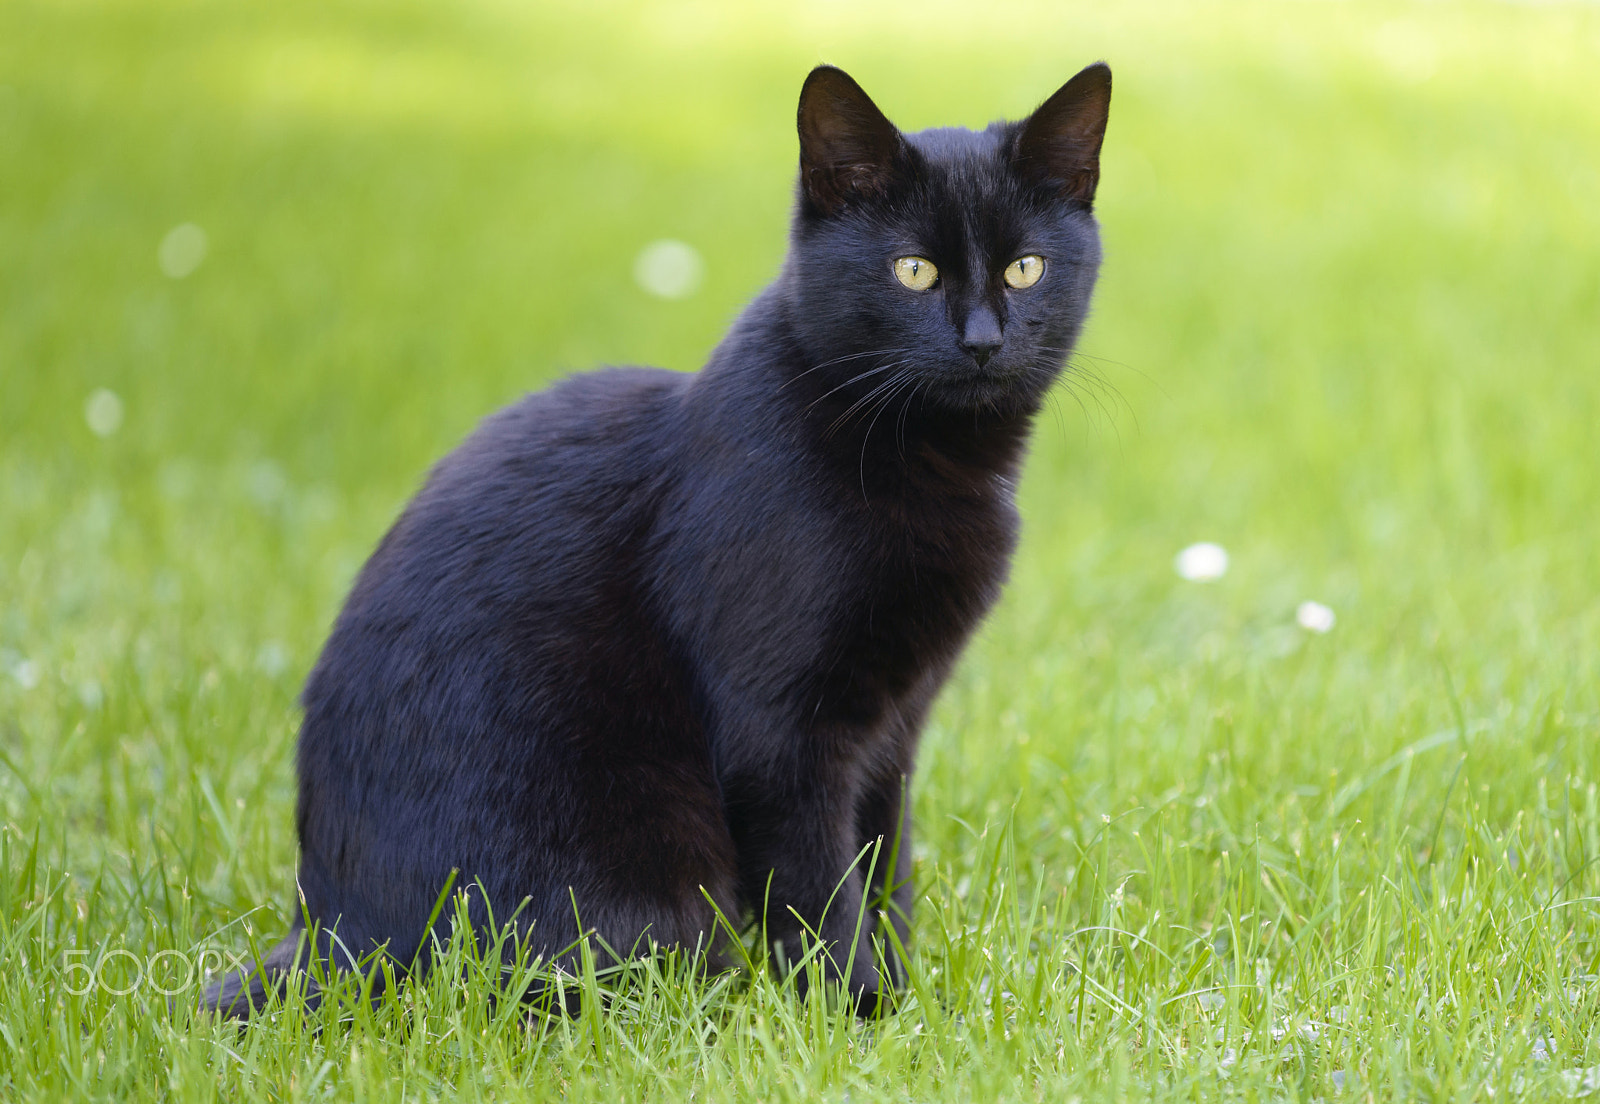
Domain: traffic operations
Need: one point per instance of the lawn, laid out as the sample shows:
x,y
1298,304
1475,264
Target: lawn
x,y
1171,843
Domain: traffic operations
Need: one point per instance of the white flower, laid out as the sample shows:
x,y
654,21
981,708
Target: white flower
x,y
1200,563
1314,617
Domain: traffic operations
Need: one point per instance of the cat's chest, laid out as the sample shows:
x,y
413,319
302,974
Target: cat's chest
x,y
947,561
911,595
943,532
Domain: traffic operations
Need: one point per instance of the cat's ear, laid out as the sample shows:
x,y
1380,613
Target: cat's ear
x,y
848,150
1059,144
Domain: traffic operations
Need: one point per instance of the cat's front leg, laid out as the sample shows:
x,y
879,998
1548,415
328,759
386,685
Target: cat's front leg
x,y
883,826
805,875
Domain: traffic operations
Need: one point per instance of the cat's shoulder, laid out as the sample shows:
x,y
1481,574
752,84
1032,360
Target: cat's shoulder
x,y
573,436
601,397
607,406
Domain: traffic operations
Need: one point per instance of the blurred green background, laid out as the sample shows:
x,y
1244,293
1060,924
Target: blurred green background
x,y
1348,327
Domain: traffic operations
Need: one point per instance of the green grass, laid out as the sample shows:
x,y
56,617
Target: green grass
x,y
1170,845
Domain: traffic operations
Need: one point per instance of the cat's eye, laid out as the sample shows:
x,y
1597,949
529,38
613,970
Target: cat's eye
x,y
1024,272
916,273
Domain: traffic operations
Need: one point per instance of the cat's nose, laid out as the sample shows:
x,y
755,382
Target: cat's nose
x,y
981,335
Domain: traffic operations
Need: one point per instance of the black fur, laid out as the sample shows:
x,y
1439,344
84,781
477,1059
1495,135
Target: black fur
x,y
649,641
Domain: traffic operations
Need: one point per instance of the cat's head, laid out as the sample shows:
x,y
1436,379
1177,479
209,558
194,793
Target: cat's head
x,y
955,264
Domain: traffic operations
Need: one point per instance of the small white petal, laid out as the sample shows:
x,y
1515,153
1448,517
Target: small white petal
x,y
1200,563
1314,617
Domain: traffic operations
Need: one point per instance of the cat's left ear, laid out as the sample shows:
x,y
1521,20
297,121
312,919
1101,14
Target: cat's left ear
x,y
848,149
1059,144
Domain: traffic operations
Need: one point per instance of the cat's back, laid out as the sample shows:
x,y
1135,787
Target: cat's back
x,y
537,515
547,448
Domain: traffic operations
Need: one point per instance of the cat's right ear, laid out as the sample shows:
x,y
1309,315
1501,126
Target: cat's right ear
x,y
848,149
1059,144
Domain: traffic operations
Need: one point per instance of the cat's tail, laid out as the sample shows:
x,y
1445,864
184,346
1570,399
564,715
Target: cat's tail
x,y
241,993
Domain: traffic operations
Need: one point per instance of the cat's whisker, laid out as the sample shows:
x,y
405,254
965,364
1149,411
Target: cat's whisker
x,y
900,421
840,422
1089,384
853,379
861,403
1080,355
1087,365
866,403
900,431
1083,378
909,379
1103,389
1054,402
841,360
1077,397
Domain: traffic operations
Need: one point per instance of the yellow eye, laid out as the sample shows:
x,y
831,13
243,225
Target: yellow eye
x,y
916,273
1024,272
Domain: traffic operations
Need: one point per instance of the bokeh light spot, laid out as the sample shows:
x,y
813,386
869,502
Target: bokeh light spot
x,y
27,674
1314,617
182,250
103,412
1201,563
669,269
272,659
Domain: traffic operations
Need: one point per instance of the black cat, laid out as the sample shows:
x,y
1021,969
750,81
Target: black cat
x,y
649,641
